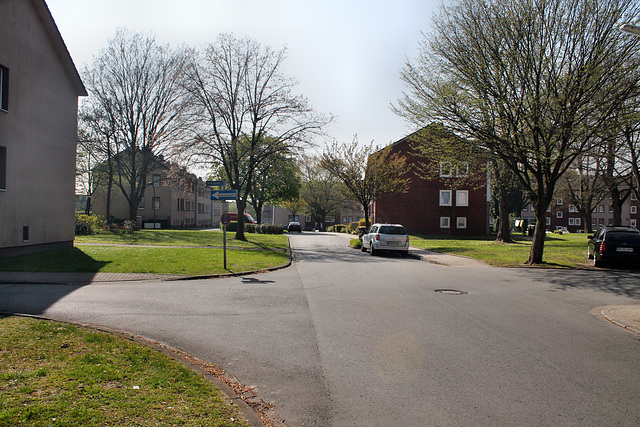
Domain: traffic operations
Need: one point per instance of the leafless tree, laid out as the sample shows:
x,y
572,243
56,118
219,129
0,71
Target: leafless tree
x,y
366,171
241,96
136,83
533,81
323,194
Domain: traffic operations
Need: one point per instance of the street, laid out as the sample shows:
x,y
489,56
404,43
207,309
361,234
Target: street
x,y
342,338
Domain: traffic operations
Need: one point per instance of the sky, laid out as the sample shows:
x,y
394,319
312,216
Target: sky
x,y
346,55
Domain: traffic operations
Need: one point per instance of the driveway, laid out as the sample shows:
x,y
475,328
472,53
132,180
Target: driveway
x,y
344,338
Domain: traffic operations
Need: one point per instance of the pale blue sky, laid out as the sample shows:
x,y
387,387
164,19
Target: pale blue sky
x,y
345,54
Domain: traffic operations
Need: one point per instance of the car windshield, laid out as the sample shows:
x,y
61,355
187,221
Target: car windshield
x,y
623,236
392,229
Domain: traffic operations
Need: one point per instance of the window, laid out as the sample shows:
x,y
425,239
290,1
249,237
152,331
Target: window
x,y
577,221
461,222
559,202
445,198
156,203
462,170
445,169
632,223
141,205
156,181
548,221
633,196
3,168
444,222
548,208
570,221
601,208
558,214
532,208
610,208
4,88
25,234
572,208
634,209
462,198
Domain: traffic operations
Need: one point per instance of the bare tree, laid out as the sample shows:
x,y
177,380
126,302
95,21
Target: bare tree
x,y
241,96
135,82
533,81
365,171
323,195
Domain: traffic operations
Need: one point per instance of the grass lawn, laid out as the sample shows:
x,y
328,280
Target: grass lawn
x,y
260,251
64,375
560,250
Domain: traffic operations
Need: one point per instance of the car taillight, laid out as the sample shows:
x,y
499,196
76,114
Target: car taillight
x,y
407,239
377,237
602,247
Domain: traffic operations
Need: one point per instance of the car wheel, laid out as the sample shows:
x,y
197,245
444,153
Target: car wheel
x,y
372,251
405,254
362,248
597,262
589,255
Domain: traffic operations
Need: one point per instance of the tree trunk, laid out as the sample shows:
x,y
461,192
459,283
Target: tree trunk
x,y
242,204
537,246
87,208
504,232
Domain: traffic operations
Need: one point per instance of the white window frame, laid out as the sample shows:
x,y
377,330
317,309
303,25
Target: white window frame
x,y
441,200
559,201
464,202
445,222
548,220
466,170
633,196
559,214
634,209
633,222
572,208
443,170
577,221
461,222
156,180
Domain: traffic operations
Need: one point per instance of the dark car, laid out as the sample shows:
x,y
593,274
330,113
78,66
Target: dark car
x,y
247,218
614,244
294,226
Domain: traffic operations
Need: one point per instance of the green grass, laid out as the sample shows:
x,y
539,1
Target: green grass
x,y
560,250
185,238
63,375
260,251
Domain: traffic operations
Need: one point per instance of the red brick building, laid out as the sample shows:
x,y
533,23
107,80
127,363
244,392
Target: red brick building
x,y
439,206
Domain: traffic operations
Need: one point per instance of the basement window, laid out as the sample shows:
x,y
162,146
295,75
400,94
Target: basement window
x,y
4,88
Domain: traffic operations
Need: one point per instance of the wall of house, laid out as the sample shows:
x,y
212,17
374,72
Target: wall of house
x,y
38,131
420,211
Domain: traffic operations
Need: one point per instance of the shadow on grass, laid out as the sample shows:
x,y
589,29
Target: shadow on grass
x,y
61,261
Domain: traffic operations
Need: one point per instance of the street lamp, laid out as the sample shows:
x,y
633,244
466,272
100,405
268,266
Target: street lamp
x,y
631,29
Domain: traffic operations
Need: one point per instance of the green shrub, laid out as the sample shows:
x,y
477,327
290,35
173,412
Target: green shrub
x,y
88,224
353,227
337,228
363,224
264,228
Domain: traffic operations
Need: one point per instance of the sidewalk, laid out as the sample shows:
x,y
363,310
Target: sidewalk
x,y
625,316
445,259
15,277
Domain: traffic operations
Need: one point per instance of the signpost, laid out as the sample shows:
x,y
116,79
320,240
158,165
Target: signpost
x,y
224,194
215,183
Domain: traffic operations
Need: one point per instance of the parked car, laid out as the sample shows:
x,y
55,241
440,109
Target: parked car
x,y
614,244
247,218
294,226
386,237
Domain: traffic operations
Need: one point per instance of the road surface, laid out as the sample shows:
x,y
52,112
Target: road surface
x,y
342,338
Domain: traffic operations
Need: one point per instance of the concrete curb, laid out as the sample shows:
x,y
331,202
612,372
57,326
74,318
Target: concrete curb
x,y
624,316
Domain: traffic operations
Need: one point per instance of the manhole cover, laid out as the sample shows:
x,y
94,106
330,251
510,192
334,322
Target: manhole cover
x,y
450,292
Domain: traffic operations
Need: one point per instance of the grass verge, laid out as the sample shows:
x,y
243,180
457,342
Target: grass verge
x,y
560,250
259,252
64,375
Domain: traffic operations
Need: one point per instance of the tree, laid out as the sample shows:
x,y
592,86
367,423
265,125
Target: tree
x,y
241,96
276,180
136,84
532,81
323,195
365,171
507,198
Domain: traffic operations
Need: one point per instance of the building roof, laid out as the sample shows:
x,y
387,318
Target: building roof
x,y
59,46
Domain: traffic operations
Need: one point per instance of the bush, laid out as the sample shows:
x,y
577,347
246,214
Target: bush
x,y
353,227
363,224
338,228
264,228
88,224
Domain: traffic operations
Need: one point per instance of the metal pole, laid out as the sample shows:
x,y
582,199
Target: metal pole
x,y
224,244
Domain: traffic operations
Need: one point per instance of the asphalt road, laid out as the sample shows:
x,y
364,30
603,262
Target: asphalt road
x,y
343,338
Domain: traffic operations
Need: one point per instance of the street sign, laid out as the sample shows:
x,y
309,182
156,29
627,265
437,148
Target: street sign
x,y
225,219
215,183
224,195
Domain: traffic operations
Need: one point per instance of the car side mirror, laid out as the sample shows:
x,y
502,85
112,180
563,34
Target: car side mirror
x,y
589,237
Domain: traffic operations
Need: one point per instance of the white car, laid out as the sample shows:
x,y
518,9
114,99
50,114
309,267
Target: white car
x,y
386,237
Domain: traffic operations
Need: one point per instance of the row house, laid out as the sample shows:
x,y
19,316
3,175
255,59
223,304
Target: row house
x,y
564,216
167,202
436,206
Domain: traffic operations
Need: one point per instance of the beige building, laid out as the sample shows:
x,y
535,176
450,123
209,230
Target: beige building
x,y
167,202
39,90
